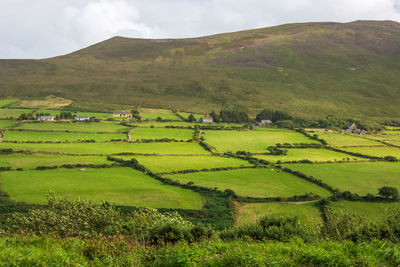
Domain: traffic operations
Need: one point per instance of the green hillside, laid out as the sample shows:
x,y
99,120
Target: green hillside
x,y
309,70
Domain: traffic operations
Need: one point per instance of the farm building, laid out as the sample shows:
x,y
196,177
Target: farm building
x,y
354,129
206,119
264,122
45,118
82,118
122,114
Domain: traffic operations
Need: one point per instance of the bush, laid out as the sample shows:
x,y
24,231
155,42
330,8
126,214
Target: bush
x,y
389,192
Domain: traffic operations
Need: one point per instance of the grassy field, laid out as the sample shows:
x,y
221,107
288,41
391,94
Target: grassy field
x,y
148,124
13,113
178,163
52,112
159,133
97,115
153,114
22,136
110,148
6,102
313,154
343,140
122,186
388,138
253,182
307,212
108,127
361,178
32,161
373,211
186,115
376,151
253,141
6,124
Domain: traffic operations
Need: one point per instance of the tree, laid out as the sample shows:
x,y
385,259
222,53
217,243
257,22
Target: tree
x,y
273,115
215,116
389,192
191,118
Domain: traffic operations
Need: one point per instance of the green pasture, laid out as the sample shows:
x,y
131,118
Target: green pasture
x,y
122,186
53,112
24,136
396,132
6,102
307,212
253,141
372,211
312,154
13,113
153,114
99,127
179,163
159,133
343,140
97,115
388,138
32,161
375,151
253,182
6,124
109,148
161,124
361,178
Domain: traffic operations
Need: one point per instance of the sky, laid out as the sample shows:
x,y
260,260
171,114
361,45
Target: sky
x,y
48,28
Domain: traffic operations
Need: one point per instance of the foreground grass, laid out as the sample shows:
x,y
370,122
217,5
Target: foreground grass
x,y
42,251
252,141
361,178
178,163
253,182
307,212
122,186
312,154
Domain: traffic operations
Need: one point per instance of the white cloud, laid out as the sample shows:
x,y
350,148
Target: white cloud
x,y
44,28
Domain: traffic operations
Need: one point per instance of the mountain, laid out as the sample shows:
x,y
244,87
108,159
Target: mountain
x,y
308,69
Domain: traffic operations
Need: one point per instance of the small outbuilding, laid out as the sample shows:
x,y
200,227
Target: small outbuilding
x,y
122,114
82,118
206,120
45,118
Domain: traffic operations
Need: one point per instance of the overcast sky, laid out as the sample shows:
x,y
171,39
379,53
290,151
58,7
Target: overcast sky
x,y
47,28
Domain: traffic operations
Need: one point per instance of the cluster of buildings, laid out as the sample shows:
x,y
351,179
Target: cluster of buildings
x,y
51,118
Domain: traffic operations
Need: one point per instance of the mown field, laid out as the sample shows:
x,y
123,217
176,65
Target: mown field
x,y
180,163
122,186
253,182
252,141
312,154
361,178
25,136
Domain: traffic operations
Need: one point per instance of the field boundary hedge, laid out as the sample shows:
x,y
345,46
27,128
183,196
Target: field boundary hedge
x,y
211,170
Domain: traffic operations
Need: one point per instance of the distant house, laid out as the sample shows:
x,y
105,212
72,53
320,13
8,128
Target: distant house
x,y
354,129
264,122
122,114
82,118
206,120
45,118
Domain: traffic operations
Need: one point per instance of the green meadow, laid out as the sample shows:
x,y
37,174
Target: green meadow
x,y
372,211
252,141
154,114
6,102
13,113
312,154
7,124
253,182
343,140
97,115
375,151
159,133
361,178
32,161
178,163
109,148
122,186
99,127
307,212
24,136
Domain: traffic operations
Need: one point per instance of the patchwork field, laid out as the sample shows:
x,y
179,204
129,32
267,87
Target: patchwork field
x,y
375,151
344,140
97,115
391,139
306,212
32,161
153,114
252,141
312,154
253,182
109,148
373,211
95,127
24,136
122,186
361,178
159,133
12,113
178,163
6,124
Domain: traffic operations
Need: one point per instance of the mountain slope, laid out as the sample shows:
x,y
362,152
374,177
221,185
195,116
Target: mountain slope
x,y
310,70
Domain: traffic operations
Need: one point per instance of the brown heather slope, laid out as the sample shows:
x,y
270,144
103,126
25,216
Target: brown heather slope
x,y
309,70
